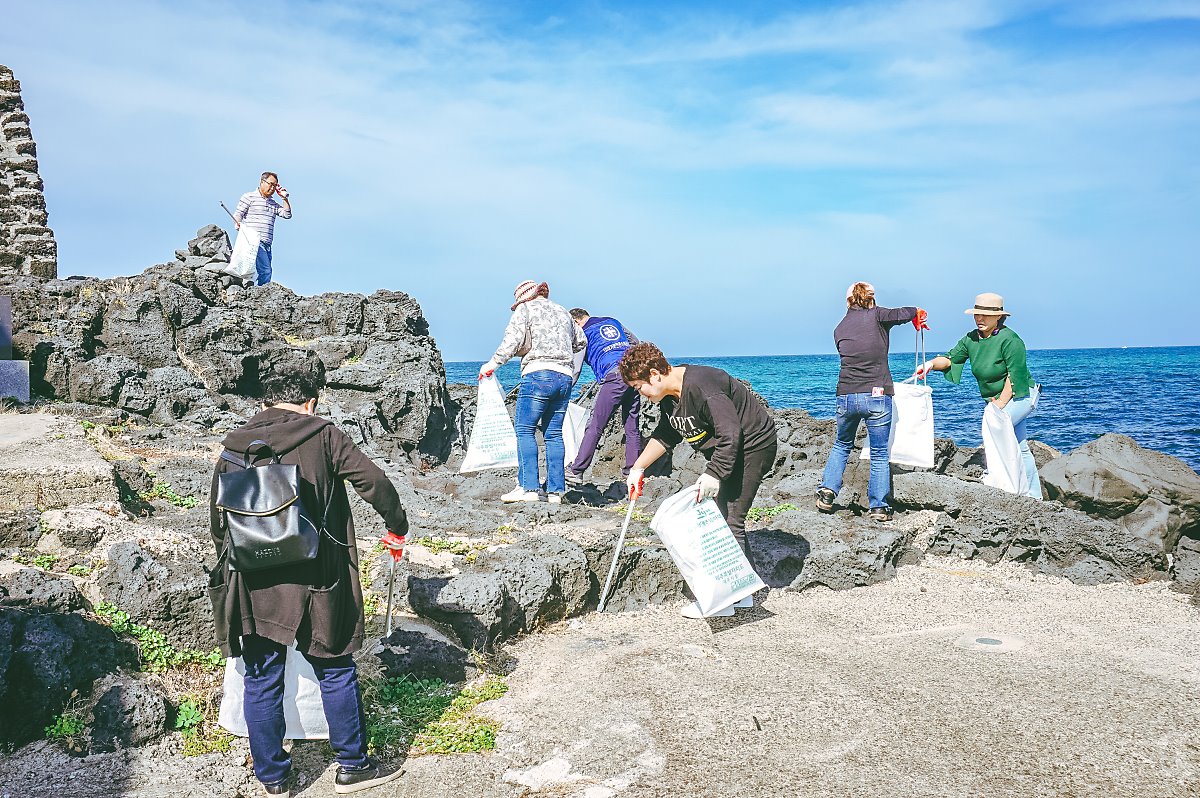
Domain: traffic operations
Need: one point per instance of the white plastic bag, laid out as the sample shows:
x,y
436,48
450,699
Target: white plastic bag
x,y
911,437
303,713
707,554
493,441
575,423
244,256
1002,453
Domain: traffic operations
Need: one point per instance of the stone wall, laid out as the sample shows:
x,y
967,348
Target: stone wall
x,y
27,245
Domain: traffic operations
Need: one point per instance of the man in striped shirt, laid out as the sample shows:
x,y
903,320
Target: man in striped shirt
x,y
258,211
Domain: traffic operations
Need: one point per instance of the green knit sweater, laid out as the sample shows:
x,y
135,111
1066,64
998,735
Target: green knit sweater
x,y
1000,355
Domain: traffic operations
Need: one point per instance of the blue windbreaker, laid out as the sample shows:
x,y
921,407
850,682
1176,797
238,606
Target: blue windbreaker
x,y
606,343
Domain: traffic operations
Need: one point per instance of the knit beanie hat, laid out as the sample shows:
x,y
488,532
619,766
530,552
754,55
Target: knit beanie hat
x,y
528,290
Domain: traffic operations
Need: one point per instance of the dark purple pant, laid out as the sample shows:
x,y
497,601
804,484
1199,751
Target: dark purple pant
x,y
613,392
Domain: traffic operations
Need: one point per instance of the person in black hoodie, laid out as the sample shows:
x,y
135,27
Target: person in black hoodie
x,y
722,419
317,604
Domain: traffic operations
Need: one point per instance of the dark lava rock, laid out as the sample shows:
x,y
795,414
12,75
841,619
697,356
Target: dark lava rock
x,y
423,654
19,528
34,588
993,525
44,658
804,549
167,595
125,712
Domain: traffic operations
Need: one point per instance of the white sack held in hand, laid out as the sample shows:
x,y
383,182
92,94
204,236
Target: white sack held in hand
x,y
303,713
245,254
707,554
493,441
911,437
574,425
1002,452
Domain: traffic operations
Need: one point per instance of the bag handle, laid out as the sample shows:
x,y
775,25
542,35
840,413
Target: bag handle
x,y
919,359
261,445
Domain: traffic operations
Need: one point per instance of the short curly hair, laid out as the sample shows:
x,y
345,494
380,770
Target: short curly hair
x,y
639,359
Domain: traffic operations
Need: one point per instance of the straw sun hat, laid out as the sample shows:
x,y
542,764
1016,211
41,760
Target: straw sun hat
x,y
988,305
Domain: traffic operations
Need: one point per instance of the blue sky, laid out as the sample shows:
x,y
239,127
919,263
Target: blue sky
x,y
714,174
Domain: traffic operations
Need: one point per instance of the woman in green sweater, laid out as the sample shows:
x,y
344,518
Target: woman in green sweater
x,y
997,356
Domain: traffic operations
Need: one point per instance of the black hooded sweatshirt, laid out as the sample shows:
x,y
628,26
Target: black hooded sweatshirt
x,y
318,603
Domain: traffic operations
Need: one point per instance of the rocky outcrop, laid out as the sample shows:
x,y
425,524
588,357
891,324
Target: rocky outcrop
x,y
124,711
27,244
1153,496
172,344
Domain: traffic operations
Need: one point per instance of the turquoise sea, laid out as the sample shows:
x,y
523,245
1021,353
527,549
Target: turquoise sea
x,y
1149,394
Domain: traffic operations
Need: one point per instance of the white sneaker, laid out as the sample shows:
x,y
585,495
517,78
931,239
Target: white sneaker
x,y
693,611
519,494
554,498
745,603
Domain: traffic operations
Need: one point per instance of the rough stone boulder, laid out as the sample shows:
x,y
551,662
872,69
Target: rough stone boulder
x,y
33,588
1154,496
802,549
46,463
167,594
418,651
44,658
172,344
979,521
124,711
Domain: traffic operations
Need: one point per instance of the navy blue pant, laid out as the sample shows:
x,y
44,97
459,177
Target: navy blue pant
x,y
613,393
263,704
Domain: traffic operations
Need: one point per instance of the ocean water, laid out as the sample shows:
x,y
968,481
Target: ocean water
x,y
1149,394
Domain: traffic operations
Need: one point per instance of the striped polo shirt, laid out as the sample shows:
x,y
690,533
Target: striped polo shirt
x,y
258,213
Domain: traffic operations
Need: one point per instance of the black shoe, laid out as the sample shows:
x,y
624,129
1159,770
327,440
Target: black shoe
x,y
283,788
825,500
881,514
355,780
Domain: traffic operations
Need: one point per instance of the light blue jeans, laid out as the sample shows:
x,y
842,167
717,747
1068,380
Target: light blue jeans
x,y
877,412
262,263
542,404
1019,410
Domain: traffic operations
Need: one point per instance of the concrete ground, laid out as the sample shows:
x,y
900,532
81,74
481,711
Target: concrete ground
x,y
955,679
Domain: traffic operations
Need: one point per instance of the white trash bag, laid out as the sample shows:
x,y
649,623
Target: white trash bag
x,y
574,425
911,437
1002,452
303,712
244,256
707,554
493,442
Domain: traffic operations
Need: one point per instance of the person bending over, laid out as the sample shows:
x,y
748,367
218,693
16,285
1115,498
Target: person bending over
x,y
607,341
720,417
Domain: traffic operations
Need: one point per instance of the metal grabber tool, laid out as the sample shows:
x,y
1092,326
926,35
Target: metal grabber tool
x,y
612,570
395,546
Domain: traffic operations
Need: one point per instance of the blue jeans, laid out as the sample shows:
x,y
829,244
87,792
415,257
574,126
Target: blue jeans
x,y
262,263
1019,410
877,412
542,404
263,704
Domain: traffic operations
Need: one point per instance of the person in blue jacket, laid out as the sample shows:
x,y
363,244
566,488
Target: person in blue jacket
x,y
607,340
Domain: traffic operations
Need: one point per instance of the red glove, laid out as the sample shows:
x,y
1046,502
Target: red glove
x,y
394,544
636,482
919,320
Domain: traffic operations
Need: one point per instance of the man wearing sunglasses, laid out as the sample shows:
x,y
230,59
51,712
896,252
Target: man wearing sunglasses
x,y
258,211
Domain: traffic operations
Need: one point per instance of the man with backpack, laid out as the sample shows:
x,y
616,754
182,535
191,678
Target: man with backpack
x,y
316,603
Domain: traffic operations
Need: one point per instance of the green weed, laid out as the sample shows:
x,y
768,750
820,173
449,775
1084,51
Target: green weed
x,y
66,727
80,570
157,654
767,513
459,547
163,490
87,425
429,716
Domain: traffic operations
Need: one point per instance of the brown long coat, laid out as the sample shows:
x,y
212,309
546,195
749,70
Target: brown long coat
x,y
319,603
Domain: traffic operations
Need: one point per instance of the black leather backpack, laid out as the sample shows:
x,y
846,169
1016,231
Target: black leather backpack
x,y
265,521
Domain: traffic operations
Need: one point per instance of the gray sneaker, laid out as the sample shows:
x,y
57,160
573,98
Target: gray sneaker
x,y
573,480
825,500
348,781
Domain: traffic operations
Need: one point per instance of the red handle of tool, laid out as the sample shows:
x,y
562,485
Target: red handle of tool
x,y
394,544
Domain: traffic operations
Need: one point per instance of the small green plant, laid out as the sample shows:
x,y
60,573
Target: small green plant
x,y
87,425
350,361
767,513
157,654
638,515
459,547
163,490
201,734
80,570
188,716
506,529
429,715
45,561
66,727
